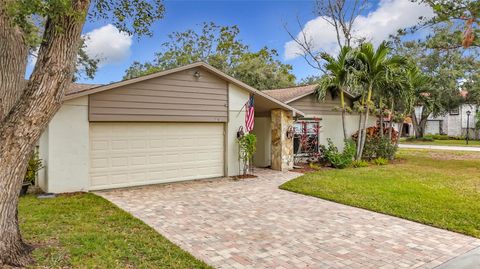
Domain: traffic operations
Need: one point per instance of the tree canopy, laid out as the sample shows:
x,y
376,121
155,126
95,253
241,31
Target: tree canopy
x,y
445,68
220,47
460,21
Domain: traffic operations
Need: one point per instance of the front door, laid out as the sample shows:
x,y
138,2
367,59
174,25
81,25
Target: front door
x,y
306,140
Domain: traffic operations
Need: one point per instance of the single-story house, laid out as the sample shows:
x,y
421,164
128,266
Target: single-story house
x,y
321,119
174,125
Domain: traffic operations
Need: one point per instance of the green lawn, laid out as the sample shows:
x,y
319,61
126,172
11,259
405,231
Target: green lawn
x,y
438,188
471,143
86,231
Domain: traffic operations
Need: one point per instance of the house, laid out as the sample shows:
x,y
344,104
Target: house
x,y
321,119
174,125
454,123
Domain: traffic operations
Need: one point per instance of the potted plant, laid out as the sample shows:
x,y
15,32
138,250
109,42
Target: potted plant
x,y
247,144
34,165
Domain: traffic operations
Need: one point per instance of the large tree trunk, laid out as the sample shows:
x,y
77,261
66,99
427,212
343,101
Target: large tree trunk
x,y
419,126
422,126
28,118
415,124
13,61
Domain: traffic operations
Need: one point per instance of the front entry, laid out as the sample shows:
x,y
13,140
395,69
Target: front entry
x,y
306,140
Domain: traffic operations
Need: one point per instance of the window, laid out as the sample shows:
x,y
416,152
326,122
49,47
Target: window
x,y
454,111
305,139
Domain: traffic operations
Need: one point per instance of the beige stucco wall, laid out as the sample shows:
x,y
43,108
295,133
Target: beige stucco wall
x,y
64,147
263,131
237,97
331,127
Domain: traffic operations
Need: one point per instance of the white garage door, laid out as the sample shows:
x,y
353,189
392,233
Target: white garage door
x,y
132,154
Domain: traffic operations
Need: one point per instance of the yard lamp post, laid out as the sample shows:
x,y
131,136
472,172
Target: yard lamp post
x,y
468,125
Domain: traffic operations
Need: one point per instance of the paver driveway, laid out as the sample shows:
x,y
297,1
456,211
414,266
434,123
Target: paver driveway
x,y
253,224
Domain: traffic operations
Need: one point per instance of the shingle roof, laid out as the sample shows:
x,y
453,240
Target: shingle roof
x,y
79,87
287,94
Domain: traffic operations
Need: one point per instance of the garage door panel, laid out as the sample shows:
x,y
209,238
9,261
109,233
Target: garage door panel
x,y
138,144
100,179
130,154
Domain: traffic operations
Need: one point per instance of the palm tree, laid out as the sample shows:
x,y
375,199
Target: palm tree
x,y
396,91
377,66
337,78
417,82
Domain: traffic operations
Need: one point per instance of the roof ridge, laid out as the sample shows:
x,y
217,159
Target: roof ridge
x,y
291,87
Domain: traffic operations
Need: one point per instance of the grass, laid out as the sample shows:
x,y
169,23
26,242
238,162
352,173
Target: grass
x,y
471,143
437,188
87,231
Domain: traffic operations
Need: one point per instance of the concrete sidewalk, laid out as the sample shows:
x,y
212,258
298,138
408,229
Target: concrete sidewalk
x,y
469,260
435,147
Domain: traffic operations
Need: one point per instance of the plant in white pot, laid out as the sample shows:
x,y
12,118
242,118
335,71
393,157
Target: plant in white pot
x,y
35,164
247,144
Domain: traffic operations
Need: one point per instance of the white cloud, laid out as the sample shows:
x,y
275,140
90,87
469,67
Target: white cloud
x,y
108,44
376,26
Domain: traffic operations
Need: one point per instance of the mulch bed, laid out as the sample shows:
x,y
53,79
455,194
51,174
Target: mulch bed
x,y
243,177
303,168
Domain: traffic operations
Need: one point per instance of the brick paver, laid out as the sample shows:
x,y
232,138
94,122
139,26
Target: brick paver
x,y
253,224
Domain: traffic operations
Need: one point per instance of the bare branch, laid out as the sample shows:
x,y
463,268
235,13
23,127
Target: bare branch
x,y
305,44
341,14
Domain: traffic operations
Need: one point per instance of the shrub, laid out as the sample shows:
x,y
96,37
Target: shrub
x,y
379,147
427,138
380,161
338,159
410,138
35,164
374,131
360,163
247,144
440,137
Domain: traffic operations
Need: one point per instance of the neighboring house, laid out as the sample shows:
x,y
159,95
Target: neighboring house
x,y
453,124
174,125
322,119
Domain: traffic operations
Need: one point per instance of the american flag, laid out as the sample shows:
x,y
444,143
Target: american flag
x,y
249,114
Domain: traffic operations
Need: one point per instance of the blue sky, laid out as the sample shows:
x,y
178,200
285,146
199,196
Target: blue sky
x,y
261,23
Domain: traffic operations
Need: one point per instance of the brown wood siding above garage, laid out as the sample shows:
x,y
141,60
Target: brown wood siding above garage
x,y
311,107
177,97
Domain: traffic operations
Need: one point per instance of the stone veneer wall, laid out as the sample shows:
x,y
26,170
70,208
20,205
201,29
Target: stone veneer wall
x,y
282,147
